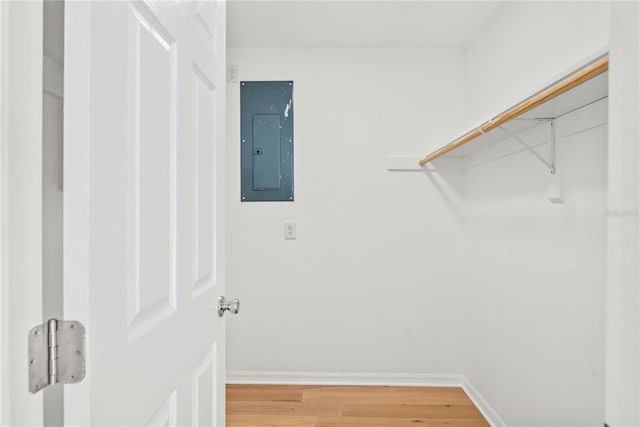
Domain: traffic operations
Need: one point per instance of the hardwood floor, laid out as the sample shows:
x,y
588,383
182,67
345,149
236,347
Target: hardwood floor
x,y
346,406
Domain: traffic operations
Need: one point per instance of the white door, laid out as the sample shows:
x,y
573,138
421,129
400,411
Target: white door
x,y
144,210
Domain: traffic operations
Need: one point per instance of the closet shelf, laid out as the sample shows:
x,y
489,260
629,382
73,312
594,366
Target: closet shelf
x,y
580,88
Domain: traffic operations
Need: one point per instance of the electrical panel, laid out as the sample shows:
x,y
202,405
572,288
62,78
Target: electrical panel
x,y
266,134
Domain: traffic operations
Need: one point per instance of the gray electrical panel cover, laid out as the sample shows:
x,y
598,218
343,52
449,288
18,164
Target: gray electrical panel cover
x,y
266,134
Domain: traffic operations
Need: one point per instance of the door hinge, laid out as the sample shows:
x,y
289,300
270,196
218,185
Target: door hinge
x,y
56,354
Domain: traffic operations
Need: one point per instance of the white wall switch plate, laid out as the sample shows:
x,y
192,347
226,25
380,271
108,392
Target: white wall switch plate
x,y
232,74
290,230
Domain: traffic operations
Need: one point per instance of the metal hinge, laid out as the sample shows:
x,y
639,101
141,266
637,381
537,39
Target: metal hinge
x,y
56,354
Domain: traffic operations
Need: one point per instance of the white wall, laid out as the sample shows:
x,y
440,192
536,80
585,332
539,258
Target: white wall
x,y
527,45
536,279
623,297
371,284
524,318
534,326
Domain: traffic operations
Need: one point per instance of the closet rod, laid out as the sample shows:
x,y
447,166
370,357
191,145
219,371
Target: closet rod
x,y
588,72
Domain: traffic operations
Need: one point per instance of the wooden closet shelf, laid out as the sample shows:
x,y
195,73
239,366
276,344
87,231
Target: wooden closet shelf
x,y
580,88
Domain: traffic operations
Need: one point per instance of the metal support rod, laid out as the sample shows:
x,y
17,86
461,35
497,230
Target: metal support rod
x,y
529,149
552,146
533,119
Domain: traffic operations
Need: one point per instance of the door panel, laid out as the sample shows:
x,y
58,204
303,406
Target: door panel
x,y
151,175
204,129
144,167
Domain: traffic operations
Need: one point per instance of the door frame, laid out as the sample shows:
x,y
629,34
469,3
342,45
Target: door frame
x,y
4,285
20,204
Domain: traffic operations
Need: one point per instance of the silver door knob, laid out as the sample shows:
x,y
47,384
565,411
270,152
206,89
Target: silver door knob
x,y
232,306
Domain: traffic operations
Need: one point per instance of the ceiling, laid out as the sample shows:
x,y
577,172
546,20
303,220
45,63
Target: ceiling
x,y
364,23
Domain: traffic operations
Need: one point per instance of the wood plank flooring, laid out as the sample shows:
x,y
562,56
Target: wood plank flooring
x,y
346,406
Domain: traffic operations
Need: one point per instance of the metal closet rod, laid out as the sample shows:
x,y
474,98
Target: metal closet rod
x,y
582,75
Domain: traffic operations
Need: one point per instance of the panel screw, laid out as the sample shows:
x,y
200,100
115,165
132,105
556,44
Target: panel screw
x,y
31,362
37,386
78,352
72,376
72,326
37,332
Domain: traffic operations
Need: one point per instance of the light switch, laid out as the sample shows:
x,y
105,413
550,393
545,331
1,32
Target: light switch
x,y
290,230
232,74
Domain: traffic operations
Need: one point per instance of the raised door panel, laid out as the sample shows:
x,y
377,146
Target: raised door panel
x,y
166,415
151,183
203,390
204,117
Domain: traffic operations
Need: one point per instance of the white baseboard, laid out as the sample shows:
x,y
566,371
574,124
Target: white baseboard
x,y
342,378
370,379
483,406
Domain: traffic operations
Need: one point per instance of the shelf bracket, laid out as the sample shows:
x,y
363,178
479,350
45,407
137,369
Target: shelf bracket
x,y
549,164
